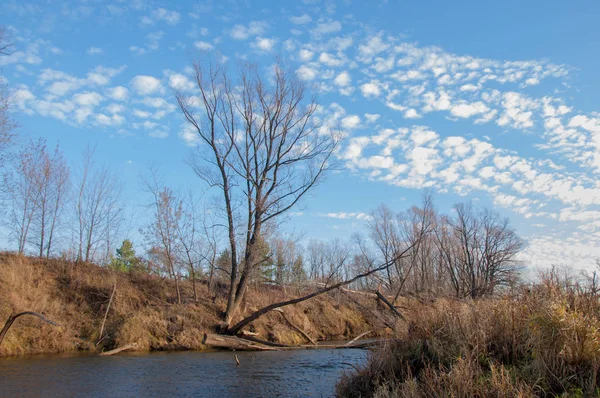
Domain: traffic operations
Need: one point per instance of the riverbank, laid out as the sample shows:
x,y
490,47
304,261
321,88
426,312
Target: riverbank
x,y
144,310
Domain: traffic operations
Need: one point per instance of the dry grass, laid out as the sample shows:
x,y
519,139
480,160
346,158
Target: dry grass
x,y
144,310
542,343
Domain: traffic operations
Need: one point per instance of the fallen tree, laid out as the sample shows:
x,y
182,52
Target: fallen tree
x,y
235,329
13,317
254,344
234,343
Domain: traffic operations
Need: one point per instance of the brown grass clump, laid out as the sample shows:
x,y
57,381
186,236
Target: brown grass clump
x,y
543,343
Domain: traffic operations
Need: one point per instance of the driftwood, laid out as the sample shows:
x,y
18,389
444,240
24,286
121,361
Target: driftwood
x,y
118,350
357,338
253,344
233,343
12,318
296,328
266,342
106,313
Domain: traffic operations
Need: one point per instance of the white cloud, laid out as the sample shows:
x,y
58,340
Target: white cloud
x,y
145,85
347,216
342,80
305,55
411,114
264,44
118,93
161,14
94,50
330,60
306,73
326,27
87,99
370,89
203,46
301,20
189,135
242,32
180,82
465,110
372,117
351,122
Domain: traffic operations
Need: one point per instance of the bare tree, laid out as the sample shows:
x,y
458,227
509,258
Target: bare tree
x,y
162,232
24,192
7,124
188,234
261,148
98,209
53,184
481,250
37,188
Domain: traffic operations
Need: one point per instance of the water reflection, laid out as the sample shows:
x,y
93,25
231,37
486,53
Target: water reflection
x,y
305,373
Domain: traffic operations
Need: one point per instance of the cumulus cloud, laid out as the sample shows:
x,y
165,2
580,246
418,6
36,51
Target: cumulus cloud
x,y
161,14
254,28
146,85
306,73
203,46
118,93
326,27
343,79
351,122
264,44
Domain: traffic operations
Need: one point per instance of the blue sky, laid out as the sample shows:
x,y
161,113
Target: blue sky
x,y
494,102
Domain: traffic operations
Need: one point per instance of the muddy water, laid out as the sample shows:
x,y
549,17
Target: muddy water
x,y
304,373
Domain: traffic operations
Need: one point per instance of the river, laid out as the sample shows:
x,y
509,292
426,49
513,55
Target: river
x,y
299,373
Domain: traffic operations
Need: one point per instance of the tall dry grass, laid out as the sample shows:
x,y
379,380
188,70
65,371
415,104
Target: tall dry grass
x,y
542,343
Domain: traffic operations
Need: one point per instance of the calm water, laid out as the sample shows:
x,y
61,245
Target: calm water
x,y
303,373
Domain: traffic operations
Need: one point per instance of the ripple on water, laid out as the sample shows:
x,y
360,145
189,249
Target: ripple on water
x,y
304,373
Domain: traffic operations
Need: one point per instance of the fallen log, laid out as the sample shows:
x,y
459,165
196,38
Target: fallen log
x,y
233,343
12,318
296,328
357,337
267,343
118,350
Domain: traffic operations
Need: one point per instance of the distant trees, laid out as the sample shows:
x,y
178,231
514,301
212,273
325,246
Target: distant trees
x,y
7,123
263,151
98,209
469,253
38,190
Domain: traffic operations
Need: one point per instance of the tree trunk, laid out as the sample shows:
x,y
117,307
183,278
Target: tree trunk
x,y
12,318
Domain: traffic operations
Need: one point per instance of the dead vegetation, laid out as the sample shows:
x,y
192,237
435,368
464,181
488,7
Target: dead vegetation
x,y
544,342
144,310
